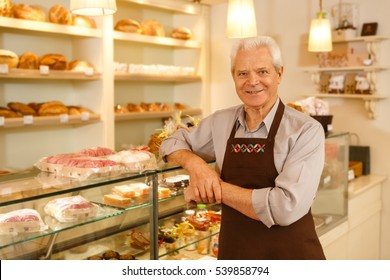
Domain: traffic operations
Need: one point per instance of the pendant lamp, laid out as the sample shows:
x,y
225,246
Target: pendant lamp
x,y
241,19
93,7
320,36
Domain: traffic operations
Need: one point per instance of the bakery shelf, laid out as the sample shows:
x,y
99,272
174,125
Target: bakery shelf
x,y
119,76
52,75
156,40
366,39
153,115
49,120
48,27
343,69
348,96
170,5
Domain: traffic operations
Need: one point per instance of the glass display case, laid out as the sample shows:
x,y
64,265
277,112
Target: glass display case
x,y
153,222
331,203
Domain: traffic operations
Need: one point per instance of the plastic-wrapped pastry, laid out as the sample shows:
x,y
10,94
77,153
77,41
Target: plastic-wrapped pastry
x,y
23,220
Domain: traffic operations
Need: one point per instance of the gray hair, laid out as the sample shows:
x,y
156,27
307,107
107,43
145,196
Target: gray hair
x,y
256,42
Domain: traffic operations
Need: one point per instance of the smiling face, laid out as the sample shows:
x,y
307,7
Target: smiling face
x,y
255,78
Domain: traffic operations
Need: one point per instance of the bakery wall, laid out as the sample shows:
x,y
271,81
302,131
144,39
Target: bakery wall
x,y
288,22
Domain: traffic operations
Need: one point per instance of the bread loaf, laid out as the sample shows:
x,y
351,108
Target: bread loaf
x,y
182,33
8,113
52,108
22,109
54,61
79,65
152,28
128,25
58,14
83,21
30,12
9,58
28,60
6,8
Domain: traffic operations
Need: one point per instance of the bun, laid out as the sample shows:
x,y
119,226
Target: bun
x,y
22,108
120,109
179,106
30,12
152,28
54,61
8,57
77,110
128,25
182,33
28,61
58,14
83,21
79,65
134,108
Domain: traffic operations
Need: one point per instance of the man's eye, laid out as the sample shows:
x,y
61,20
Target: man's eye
x,y
242,74
262,73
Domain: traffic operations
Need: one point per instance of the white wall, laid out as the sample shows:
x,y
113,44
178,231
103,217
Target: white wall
x,y
288,22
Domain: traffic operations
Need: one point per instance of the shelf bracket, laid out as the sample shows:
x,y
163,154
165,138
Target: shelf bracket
x,y
370,106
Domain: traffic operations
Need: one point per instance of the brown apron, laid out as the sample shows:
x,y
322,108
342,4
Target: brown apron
x,y
249,163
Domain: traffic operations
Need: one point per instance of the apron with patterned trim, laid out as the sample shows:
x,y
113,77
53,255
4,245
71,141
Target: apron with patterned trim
x,y
249,163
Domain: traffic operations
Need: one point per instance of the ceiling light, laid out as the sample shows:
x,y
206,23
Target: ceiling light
x,y
93,7
241,19
320,36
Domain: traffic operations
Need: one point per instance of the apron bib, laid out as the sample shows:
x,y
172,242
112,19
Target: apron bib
x,y
249,163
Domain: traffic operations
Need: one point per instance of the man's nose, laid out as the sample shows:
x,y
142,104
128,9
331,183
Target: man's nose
x,y
253,78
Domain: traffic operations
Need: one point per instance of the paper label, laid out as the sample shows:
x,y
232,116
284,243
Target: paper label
x,y
2,121
3,68
28,119
84,116
64,118
44,70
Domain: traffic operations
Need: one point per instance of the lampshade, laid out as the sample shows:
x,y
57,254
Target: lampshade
x,y
93,7
241,19
320,35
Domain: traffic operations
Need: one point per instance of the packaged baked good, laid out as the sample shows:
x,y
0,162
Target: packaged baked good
x,y
8,57
71,209
30,12
135,160
152,27
54,61
23,220
124,191
128,25
163,192
60,15
182,33
28,60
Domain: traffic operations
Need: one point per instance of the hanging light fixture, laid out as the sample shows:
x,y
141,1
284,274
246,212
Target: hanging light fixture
x,y
320,36
93,7
241,19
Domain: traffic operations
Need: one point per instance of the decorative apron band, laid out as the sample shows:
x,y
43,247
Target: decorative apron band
x,y
248,148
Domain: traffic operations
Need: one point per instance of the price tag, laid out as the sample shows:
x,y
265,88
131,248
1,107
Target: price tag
x,y
89,71
327,180
28,119
3,68
44,70
84,116
64,118
330,127
2,121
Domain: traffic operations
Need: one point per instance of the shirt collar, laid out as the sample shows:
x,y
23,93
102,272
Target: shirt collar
x,y
267,122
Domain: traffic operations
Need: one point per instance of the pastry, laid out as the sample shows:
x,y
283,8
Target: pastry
x,y
120,109
7,113
8,57
95,257
126,257
22,108
58,14
124,191
182,33
30,12
28,60
128,25
152,28
54,61
77,110
116,200
83,21
110,254
179,106
131,107
52,108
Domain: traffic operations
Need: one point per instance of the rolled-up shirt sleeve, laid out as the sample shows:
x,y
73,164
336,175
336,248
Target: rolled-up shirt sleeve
x,y
298,179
